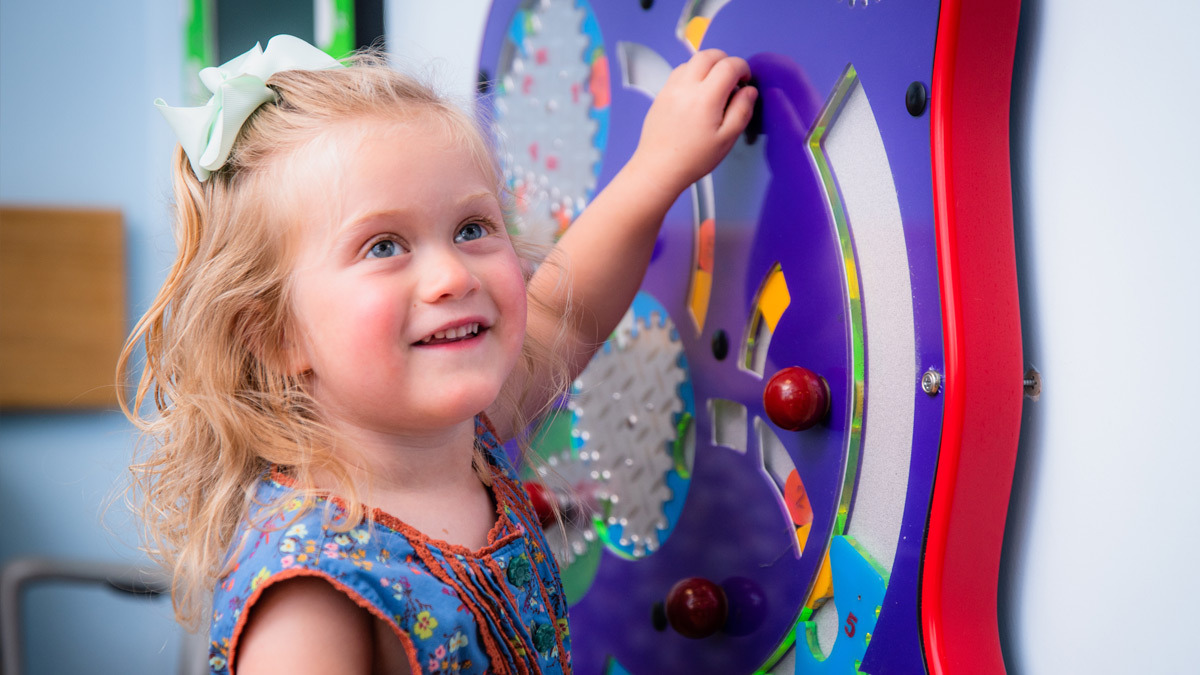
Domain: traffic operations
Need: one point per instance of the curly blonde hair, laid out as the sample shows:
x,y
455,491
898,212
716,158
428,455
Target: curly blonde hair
x,y
225,409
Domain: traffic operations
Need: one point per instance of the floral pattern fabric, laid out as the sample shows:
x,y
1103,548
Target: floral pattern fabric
x,y
498,610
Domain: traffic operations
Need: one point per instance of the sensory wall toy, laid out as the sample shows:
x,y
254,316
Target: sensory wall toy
x,y
794,455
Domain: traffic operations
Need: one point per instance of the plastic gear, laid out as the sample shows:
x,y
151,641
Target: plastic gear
x,y
542,104
578,530
625,406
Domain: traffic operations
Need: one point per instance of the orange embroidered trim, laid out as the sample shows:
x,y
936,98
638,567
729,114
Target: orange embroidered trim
x,y
487,424
523,509
512,600
489,641
526,515
461,571
484,589
415,536
562,652
405,639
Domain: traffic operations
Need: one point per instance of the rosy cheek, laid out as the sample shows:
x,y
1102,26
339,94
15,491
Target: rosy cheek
x,y
374,316
347,317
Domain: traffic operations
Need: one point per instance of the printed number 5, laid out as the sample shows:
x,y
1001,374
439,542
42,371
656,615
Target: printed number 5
x,y
850,621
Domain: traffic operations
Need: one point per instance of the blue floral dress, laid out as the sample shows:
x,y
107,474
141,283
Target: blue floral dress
x,y
498,610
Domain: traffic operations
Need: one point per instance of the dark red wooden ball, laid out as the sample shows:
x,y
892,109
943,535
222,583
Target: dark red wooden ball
x,y
541,498
796,398
696,608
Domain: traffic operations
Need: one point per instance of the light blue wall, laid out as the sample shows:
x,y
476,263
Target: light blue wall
x,y
77,128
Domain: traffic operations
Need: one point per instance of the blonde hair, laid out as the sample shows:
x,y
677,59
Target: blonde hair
x,y
225,407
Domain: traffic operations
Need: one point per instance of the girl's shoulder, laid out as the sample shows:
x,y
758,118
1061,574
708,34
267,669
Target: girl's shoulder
x,y
285,537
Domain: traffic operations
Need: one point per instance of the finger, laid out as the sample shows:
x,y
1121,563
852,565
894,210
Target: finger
x,y
701,63
739,112
724,80
728,72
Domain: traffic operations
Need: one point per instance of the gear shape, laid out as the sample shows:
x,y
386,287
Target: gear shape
x,y
578,533
551,114
625,406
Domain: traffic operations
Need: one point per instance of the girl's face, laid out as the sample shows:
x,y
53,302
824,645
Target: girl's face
x,y
408,299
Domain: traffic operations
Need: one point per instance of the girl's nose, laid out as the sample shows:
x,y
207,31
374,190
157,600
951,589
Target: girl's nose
x,y
446,275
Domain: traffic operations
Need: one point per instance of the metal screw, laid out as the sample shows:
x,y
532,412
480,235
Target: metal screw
x,y
931,382
1033,384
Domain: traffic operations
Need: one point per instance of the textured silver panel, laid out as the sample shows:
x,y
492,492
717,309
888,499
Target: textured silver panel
x,y
542,110
624,404
860,165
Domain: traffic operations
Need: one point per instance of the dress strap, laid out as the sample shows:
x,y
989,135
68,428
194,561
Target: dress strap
x,y
497,455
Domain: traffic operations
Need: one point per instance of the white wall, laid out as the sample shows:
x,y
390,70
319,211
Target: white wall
x,y
441,39
1099,569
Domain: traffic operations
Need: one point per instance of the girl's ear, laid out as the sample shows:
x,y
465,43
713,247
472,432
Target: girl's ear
x,y
275,346
293,354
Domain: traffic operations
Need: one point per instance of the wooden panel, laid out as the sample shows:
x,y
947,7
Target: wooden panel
x,y
62,307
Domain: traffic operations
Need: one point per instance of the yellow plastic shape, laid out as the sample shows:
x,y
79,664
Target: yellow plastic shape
x,y
694,32
802,534
775,298
822,589
701,290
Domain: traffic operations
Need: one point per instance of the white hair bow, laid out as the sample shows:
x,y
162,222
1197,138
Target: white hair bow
x,y
239,86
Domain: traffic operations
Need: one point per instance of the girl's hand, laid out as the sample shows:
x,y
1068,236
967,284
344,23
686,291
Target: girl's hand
x,y
695,120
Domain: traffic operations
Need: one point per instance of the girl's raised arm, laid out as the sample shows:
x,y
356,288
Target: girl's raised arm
x,y
692,125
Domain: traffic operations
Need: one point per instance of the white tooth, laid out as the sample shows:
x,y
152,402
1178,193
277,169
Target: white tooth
x,y
474,329
439,335
458,332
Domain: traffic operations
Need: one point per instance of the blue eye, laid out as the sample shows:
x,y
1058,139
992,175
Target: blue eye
x,y
470,232
385,248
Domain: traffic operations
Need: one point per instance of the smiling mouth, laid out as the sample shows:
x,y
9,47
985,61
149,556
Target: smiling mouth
x,y
464,332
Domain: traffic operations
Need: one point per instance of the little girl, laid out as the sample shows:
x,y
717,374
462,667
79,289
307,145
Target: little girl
x,y
350,321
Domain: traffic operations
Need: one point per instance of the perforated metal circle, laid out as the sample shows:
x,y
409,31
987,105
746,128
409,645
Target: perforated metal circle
x,y
624,406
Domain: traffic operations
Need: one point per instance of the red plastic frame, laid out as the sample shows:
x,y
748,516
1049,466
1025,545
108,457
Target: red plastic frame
x,y
982,387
